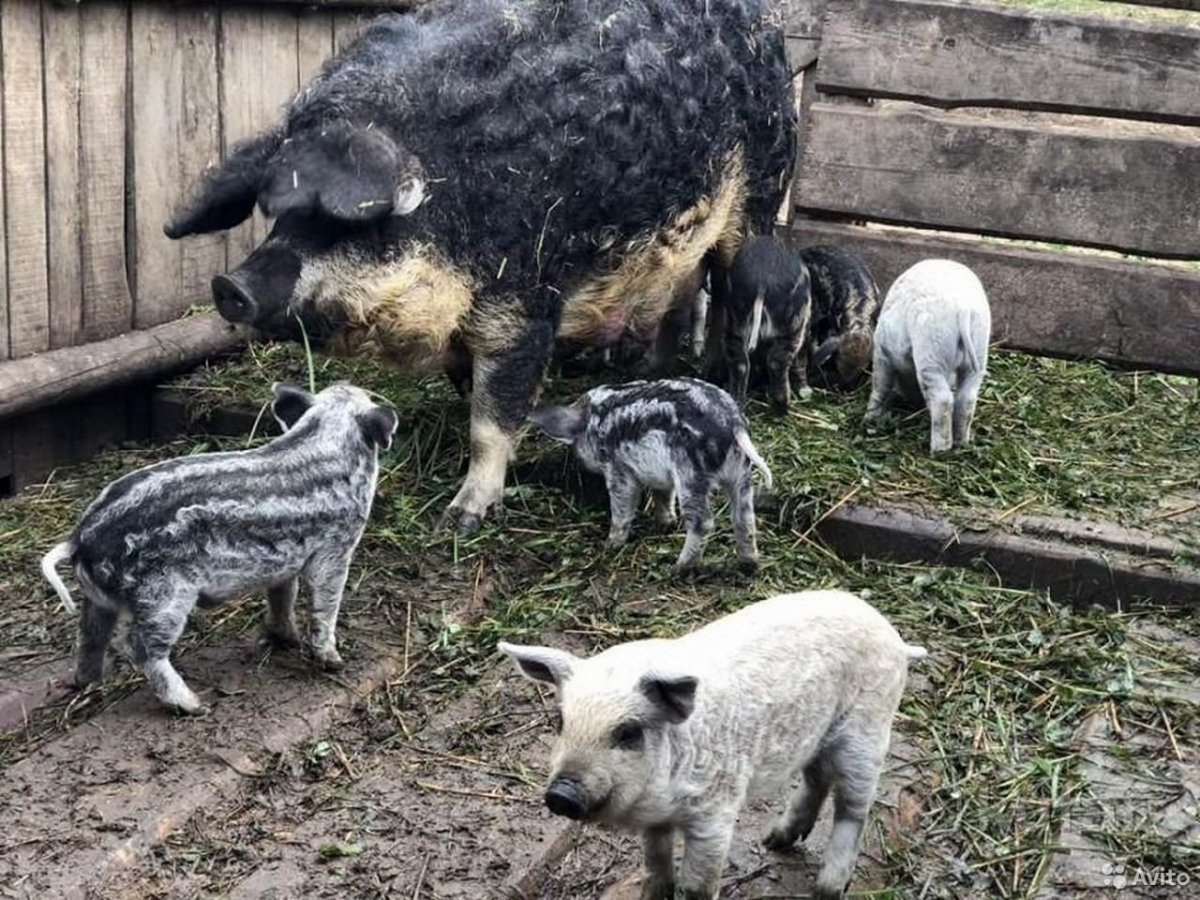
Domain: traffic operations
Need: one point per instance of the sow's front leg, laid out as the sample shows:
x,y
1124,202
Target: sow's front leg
x,y
511,346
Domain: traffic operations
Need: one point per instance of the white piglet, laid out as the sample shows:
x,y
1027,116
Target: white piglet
x,y
672,737
931,344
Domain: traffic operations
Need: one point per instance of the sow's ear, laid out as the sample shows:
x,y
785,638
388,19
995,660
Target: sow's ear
x,y
379,426
541,663
673,695
290,404
348,173
563,423
226,195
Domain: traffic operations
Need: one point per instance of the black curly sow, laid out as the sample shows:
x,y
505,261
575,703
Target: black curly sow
x,y
464,183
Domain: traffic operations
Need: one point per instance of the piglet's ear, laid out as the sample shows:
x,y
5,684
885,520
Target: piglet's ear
x,y
290,404
673,695
346,172
379,426
541,663
563,423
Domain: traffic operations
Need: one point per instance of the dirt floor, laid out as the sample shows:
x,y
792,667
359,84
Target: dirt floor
x,y
1036,747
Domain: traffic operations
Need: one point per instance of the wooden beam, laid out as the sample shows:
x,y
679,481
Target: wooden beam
x,y
48,378
950,54
1069,572
1065,184
1071,305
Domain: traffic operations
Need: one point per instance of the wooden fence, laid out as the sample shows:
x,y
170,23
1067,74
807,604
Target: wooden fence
x,y
961,120
110,111
1079,132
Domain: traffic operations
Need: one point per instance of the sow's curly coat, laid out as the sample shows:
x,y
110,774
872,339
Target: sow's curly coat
x,y
199,530
464,184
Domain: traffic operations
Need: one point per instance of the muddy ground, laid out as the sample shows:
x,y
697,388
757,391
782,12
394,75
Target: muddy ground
x,y
1038,745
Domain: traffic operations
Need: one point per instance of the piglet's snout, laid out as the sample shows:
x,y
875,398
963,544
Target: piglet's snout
x,y
233,300
566,797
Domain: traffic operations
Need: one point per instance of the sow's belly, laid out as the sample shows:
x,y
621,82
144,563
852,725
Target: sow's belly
x,y
417,312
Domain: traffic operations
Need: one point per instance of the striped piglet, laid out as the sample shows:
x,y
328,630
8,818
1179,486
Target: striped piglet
x,y
203,529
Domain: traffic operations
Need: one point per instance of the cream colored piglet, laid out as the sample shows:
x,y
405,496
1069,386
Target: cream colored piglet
x,y
673,736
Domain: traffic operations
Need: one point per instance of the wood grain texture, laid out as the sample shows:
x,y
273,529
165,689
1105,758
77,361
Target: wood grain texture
x,y
259,74
950,54
25,178
1058,183
107,301
62,42
199,142
1070,305
314,43
156,108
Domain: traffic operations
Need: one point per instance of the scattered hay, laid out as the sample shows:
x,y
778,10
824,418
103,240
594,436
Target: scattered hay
x,y
997,711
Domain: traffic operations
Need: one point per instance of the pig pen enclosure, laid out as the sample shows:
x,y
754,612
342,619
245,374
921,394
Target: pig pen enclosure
x,y
1049,747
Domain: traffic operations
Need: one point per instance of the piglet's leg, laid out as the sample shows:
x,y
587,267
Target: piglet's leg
x,y
883,382
741,503
664,507
96,624
325,576
511,348
658,846
940,400
964,406
856,763
157,625
705,850
801,815
624,492
697,516
281,618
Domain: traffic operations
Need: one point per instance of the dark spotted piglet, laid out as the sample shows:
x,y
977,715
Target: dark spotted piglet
x,y
678,437
845,308
203,529
768,313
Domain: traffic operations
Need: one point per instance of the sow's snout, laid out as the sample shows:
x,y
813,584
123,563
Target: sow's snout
x,y
566,797
259,290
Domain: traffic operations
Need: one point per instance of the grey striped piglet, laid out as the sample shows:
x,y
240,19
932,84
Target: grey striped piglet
x,y
678,437
200,530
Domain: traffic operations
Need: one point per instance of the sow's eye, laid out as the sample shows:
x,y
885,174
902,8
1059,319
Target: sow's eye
x,y
628,736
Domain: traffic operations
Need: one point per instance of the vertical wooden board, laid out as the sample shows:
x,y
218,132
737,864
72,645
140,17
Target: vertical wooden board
x,y
199,143
346,26
314,42
25,178
61,39
242,91
156,81
107,302
279,68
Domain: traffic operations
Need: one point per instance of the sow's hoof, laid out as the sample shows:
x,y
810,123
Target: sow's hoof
x,y
464,522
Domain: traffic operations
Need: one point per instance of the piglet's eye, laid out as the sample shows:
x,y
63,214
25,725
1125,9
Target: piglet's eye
x,y
556,721
628,736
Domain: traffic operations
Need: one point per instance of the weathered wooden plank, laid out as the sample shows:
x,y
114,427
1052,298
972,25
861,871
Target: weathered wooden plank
x,y
314,43
1070,573
1071,305
260,75
156,107
25,178
346,26
199,142
107,301
1058,183
950,54
801,18
71,372
62,42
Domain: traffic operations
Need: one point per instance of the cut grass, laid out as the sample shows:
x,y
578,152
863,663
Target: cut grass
x,y
997,711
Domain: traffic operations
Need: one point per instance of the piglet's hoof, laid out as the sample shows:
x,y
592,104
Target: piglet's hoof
x,y
747,566
330,660
279,640
191,707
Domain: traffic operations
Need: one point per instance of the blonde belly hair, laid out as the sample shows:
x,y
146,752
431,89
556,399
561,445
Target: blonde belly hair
x,y
657,271
409,311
